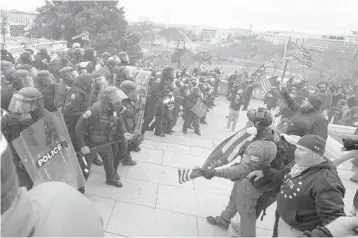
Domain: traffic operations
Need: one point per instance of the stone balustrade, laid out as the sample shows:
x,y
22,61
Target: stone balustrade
x,y
16,45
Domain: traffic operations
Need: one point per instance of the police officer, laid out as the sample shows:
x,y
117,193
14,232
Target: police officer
x,y
76,103
258,153
189,116
123,56
105,56
130,113
26,108
107,70
8,78
21,79
68,76
96,129
155,105
46,85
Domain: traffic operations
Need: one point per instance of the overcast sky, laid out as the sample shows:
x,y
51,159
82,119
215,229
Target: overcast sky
x,y
312,16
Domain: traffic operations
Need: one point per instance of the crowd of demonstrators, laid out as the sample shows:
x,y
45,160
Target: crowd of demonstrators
x,y
305,184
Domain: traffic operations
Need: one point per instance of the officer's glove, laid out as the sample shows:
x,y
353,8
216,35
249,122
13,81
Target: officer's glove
x,y
128,136
85,150
208,173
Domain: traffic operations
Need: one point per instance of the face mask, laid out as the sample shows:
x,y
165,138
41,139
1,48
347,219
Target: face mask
x,y
252,130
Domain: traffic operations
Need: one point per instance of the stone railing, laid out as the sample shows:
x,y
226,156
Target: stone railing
x,y
17,45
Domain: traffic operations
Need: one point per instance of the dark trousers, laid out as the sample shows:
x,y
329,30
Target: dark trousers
x,y
190,117
120,153
246,102
24,178
230,84
216,88
106,154
168,121
71,122
155,109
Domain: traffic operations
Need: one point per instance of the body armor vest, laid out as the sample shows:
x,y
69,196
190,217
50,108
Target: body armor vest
x,y
49,98
105,130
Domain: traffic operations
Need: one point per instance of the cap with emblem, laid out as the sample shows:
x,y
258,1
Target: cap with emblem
x,y
44,77
313,142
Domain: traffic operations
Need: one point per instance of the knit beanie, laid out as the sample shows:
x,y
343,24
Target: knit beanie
x,y
313,142
9,180
315,101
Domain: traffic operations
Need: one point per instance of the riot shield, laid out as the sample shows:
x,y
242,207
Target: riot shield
x,y
47,153
142,80
199,109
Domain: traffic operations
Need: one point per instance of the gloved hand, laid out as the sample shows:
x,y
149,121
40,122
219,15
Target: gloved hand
x,y
257,174
128,136
85,150
208,173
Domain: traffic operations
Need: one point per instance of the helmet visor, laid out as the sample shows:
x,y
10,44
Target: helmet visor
x,y
21,104
26,82
117,96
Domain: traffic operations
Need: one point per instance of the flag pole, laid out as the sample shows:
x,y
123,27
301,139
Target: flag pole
x,y
286,62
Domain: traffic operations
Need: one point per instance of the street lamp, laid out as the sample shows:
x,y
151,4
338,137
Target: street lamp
x,y
181,47
63,31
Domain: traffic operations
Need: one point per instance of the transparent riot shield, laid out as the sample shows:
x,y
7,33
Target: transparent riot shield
x,y
142,80
47,153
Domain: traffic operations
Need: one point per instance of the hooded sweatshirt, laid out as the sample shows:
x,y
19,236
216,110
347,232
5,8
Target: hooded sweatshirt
x,y
312,199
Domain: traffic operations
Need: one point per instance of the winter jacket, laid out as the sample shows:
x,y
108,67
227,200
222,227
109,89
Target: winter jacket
x,y
305,121
312,199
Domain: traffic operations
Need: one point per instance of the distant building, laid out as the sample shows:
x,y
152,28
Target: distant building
x,y
314,43
15,17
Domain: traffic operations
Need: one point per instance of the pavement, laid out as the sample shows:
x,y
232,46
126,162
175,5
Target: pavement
x,y
153,203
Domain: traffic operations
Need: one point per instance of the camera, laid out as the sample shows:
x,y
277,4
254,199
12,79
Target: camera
x,y
350,142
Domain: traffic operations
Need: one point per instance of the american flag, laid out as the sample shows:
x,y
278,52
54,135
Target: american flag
x,y
294,51
266,85
224,153
17,30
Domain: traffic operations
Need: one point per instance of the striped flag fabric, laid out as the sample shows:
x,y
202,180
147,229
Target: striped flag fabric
x,y
266,85
17,30
294,51
224,153
186,175
227,150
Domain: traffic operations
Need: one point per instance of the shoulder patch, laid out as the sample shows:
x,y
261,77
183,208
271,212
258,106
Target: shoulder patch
x,y
255,158
73,96
87,114
158,80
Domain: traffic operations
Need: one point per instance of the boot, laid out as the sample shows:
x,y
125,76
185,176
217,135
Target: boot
x,y
198,133
115,183
81,190
98,162
203,121
184,132
354,178
160,135
137,149
218,221
128,161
